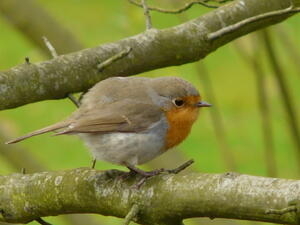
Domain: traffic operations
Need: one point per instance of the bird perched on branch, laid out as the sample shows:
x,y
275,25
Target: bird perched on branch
x,y
130,121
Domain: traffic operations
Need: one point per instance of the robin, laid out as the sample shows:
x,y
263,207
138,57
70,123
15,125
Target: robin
x,y
130,121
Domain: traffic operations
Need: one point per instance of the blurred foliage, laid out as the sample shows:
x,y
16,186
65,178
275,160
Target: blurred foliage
x,y
95,22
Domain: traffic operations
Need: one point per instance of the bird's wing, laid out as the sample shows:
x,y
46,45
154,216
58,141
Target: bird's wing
x,y
53,127
122,116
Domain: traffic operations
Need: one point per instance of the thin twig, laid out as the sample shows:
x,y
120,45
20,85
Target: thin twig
x,y
50,47
147,15
55,55
284,91
147,175
265,119
175,11
219,1
181,167
27,60
94,161
239,25
288,43
74,100
132,213
42,222
269,150
112,59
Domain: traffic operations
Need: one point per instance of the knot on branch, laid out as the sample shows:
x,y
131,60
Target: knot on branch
x,y
231,175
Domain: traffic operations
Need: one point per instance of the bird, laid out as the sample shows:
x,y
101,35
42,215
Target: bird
x,y
131,120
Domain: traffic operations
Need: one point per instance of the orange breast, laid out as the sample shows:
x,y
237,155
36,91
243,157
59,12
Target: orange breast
x,y
180,124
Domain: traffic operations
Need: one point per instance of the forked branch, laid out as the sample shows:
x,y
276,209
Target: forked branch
x,y
188,42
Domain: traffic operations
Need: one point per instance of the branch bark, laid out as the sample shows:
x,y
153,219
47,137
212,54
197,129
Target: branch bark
x,y
164,199
188,42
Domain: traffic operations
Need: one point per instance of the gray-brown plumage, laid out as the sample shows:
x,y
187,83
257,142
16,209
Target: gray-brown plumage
x,y
126,120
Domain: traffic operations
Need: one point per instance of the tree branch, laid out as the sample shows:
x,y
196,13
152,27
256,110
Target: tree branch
x,y
147,15
54,55
152,49
175,11
239,25
161,200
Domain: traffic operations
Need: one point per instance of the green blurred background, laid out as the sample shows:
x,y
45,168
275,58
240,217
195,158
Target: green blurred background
x,y
233,82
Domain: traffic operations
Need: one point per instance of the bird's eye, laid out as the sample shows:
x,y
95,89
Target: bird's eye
x,y
178,102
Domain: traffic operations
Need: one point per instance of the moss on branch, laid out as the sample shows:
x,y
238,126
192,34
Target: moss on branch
x,y
188,42
164,199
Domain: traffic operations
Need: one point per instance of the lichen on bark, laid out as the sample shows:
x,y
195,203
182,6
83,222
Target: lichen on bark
x,y
152,49
164,199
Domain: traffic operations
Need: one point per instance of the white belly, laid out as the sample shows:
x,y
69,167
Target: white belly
x,y
127,148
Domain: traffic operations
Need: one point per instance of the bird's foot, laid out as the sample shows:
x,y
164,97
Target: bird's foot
x,y
127,175
147,174
143,173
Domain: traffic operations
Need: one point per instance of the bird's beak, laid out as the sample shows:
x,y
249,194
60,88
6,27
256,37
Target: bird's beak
x,y
203,104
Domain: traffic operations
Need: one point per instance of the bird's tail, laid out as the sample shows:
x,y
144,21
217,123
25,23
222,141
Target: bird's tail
x,y
53,127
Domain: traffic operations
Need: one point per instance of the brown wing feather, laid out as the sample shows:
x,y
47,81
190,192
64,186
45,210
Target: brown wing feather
x,y
121,116
53,127
117,117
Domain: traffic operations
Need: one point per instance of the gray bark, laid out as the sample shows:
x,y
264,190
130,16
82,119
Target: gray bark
x,y
188,42
164,199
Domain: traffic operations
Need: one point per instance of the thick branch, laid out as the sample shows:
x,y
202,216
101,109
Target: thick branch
x,y
161,200
152,49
